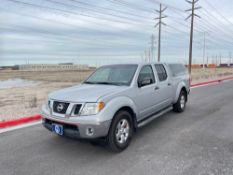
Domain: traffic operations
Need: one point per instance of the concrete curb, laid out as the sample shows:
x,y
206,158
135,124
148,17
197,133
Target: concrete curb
x,y
25,120
212,81
20,121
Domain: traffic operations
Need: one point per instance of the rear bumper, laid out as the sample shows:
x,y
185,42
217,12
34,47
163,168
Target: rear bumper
x,y
76,127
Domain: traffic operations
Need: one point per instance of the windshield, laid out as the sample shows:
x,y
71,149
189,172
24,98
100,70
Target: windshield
x,y
113,75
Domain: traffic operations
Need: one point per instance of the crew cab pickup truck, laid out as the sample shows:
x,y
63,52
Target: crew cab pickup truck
x,y
116,100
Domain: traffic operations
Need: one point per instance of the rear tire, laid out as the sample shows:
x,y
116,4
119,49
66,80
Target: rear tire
x,y
120,132
180,105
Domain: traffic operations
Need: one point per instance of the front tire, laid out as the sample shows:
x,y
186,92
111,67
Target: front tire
x,y
180,105
120,132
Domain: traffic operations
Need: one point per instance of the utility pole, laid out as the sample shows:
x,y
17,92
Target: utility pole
x,y
145,55
152,44
141,57
149,56
230,59
220,59
160,23
216,60
230,55
192,15
204,52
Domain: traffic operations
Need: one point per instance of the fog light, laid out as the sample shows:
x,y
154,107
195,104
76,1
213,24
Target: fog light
x,y
90,131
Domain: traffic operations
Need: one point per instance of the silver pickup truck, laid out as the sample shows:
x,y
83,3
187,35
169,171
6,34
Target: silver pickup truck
x,y
114,101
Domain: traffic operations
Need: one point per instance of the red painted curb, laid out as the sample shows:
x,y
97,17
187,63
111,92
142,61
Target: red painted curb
x,y
19,121
38,117
212,81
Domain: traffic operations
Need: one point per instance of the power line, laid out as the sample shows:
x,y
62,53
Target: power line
x,y
215,25
109,9
220,14
72,12
124,18
167,5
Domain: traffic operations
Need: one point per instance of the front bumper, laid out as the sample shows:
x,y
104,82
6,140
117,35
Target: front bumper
x,y
85,127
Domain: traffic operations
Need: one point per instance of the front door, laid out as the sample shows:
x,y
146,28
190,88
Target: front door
x,y
146,96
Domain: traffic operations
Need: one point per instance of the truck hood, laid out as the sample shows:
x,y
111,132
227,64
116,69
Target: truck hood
x,y
85,93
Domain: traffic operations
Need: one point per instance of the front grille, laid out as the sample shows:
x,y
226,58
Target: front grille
x,y
60,107
77,109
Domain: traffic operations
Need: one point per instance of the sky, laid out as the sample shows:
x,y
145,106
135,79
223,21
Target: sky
x,y
111,31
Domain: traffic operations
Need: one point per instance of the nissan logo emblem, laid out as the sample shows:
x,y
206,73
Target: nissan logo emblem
x,y
60,107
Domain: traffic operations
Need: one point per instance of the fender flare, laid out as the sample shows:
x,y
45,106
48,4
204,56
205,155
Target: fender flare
x,y
114,105
179,87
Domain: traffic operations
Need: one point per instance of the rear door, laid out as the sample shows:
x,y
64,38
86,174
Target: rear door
x,y
164,85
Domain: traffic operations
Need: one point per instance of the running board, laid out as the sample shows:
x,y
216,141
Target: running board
x,y
146,121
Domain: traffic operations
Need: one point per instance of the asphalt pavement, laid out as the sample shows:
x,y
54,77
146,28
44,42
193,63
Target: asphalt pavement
x,y
198,141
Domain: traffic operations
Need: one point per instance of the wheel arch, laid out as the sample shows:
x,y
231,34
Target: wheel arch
x,y
131,111
118,104
181,87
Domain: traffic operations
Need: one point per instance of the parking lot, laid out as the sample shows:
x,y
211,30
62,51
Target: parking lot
x,y
198,141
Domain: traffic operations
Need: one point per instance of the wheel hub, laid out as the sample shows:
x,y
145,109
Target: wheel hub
x,y
122,131
182,101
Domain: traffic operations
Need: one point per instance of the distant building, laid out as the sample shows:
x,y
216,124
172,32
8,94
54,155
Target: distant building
x,y
224,65
53,67
9,67
66,63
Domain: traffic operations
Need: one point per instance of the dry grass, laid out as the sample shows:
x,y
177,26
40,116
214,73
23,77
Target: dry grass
x,y
199,75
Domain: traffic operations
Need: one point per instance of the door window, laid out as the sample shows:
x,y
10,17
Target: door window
x,y
146,72
161,71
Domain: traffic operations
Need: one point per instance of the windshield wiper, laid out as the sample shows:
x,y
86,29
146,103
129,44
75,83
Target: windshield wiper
x,y
105,83
109,83
89,82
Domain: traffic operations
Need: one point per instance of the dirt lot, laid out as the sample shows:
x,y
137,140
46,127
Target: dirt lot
x,y
48,76
26,101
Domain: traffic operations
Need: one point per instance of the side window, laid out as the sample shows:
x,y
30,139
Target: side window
x,y
161,71
177,69
146,72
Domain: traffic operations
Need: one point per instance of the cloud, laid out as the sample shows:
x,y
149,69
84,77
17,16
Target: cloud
x,y
78,30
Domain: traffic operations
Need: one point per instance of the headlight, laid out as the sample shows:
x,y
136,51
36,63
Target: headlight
x,y
47,103
92,108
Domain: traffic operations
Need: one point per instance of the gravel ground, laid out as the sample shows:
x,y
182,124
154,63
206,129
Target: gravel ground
x,y
26,101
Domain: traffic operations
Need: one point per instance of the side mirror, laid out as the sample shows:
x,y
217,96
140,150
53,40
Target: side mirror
x,y
145,81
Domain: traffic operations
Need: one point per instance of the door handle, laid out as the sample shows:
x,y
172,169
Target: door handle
x,y
156,88
169,84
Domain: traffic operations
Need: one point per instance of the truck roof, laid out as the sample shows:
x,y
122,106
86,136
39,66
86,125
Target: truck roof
x,y
145,63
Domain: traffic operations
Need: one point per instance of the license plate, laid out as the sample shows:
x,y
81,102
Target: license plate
x,y
57,129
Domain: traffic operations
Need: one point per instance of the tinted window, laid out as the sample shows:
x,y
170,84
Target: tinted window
x,y
146,72
161,71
